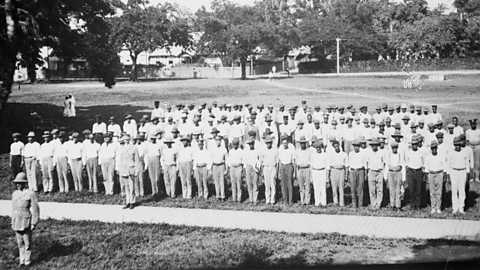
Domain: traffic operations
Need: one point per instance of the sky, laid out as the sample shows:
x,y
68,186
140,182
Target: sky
x,y
194,5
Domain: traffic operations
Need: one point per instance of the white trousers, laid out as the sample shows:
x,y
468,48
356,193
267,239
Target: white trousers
x,y
459,180
319,179
269,173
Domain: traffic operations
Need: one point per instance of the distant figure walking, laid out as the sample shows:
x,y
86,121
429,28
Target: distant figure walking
x,y
72,106
66,107
274,69
69,106
270,76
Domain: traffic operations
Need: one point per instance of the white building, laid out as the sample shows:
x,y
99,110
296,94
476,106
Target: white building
x,y
169,58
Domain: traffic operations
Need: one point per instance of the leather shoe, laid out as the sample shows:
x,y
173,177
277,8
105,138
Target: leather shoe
x,y
126,206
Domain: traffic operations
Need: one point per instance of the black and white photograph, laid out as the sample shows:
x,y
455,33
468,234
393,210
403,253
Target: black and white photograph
x,y
239,134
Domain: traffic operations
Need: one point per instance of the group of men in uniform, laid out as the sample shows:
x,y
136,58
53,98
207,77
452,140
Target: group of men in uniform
x,y
401,145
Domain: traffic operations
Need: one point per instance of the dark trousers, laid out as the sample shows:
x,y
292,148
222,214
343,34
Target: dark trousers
x,y
415,179
287,186
16,162
357,177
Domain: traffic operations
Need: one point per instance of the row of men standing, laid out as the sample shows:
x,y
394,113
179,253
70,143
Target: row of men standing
x,y
251,123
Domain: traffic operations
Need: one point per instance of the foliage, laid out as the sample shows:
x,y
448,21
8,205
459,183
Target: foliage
x,y
231,31
26,26
432,37
142,28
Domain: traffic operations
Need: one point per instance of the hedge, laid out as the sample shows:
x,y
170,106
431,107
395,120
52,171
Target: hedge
x,y
329,66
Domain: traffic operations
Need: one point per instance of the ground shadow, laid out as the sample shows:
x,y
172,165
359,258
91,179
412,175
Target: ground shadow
x,y
18,118
52,248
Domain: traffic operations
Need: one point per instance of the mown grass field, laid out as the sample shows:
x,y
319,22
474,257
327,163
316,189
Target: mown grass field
x,y
95,245
456,96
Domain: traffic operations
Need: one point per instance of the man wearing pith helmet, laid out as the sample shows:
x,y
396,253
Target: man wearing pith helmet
x,y
128,168
25,216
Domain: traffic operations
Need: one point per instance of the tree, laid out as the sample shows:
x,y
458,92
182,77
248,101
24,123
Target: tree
x,y
26,26
237,32
141,28
432,37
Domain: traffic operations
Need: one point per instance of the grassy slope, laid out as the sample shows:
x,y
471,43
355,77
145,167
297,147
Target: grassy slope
x,y
94,245
453,96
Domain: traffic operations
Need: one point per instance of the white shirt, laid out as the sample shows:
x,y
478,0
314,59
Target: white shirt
x,y
156,113
286,156
435,163
473,136
91,149
32,150
185,154
107,151
357,160
99,128
46,150
130,128
115,129
201,157
17,148
76,151
251,157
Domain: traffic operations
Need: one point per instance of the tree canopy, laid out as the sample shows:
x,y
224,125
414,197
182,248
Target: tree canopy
x,y
141,28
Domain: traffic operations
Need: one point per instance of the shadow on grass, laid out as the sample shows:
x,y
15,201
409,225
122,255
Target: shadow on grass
x,y
56,248
17,118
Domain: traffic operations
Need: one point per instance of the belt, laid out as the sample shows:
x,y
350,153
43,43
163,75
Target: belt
x,y
357,169
236,165
337,168
319,169
169,165
286,163
304,167
30,157
459,169
76,159
270,165
474,143
218,164
391,170
435,172
202,165
414,169
379,170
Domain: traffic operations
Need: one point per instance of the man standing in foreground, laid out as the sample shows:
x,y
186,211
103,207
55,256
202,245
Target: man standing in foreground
x,y
128,169
435,164
219,157
286,155
269,159
356,174
458,165
375,160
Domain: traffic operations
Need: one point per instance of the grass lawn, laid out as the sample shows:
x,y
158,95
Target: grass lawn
x,y
94,245
456,96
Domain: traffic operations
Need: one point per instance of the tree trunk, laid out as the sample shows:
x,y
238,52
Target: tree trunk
x,y
243,61
31,72
7,72
133,75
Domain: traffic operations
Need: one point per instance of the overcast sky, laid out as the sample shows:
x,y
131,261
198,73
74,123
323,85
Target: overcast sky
x,y
194,5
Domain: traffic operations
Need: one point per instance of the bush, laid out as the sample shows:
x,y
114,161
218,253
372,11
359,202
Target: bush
x,y
418,65
321,66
